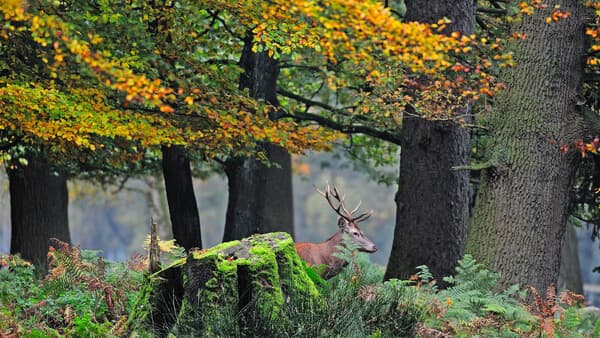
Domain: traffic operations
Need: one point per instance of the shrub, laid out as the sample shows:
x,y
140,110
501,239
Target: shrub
x,y
81,296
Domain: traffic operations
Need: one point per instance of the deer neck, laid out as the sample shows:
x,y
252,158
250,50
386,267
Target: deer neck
x,y
336,239
335,264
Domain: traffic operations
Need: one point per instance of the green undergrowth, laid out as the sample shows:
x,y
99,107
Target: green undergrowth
x,y
83,296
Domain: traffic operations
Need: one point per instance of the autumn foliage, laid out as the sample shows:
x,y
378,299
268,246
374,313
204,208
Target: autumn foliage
x,y
136,75
153,74
73,92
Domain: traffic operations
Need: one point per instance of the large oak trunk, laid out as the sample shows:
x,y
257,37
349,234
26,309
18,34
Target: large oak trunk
x,y
433,199
521,209
185,219
260,196
38,209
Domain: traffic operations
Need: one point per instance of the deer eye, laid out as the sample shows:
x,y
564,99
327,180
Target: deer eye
x,y
355,233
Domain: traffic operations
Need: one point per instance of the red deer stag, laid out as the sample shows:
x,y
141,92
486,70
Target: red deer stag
x,y
322,253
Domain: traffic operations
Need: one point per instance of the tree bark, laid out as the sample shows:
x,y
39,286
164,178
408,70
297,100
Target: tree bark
x,y
39,203
433,199
521,209
260,196
185,219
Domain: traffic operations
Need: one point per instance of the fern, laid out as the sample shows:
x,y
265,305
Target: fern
x,y
347,249
66,266
571,318
69,270
471,301
424,273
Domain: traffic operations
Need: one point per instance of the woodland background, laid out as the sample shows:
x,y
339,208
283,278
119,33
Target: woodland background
x,y
494,105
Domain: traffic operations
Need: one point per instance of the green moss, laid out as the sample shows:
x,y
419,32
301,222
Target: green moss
x,y
214,250
260,249
265,268
227,266
142,309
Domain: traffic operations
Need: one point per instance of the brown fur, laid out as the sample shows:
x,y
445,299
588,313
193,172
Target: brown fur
x,y
322,253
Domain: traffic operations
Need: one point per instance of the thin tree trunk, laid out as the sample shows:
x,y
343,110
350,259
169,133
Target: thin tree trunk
x,y
39,202
185,219
570,268
158,206
433,199
521,209
260,196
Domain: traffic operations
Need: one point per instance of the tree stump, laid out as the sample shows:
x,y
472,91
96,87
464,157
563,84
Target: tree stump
x,y
256,276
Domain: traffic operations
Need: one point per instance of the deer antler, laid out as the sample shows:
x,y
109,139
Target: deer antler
x,y
347,215
362,217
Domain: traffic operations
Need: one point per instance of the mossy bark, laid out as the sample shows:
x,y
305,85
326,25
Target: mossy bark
x,y
158,304
256,275
521,208
433,199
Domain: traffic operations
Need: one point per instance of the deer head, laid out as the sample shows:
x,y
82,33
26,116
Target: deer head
x,y
348,222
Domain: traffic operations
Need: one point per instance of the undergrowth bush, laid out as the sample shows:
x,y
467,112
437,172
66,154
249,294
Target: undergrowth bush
x,y
471,307
84,296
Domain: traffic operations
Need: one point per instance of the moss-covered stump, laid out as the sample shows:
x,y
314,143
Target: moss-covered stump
x,y
241,283
157,304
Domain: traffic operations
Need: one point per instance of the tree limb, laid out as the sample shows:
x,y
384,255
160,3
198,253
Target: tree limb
x,y
492,11
306,101
347,129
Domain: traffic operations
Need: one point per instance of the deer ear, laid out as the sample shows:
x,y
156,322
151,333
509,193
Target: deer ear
x,y
342,222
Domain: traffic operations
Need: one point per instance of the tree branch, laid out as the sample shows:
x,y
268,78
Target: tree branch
x,y
492,11
307,102
474,166
481,23
308,67
212,22
346,129
226,27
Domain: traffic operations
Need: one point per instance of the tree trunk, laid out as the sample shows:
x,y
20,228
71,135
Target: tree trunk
x,y
260,196
183,210
570,268
433,200
521,209
39,202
